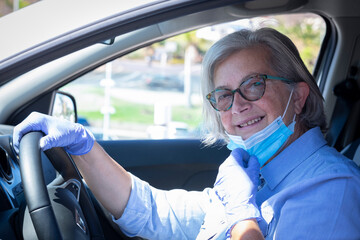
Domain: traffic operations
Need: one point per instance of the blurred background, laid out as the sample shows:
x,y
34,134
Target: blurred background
x,y
154,92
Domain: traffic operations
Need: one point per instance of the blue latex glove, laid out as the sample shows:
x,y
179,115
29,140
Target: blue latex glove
x,y
236,186
73,137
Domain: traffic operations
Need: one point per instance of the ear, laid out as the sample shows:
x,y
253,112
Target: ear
x,y
301,92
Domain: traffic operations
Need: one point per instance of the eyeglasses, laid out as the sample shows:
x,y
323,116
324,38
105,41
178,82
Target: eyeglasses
x,y
251,89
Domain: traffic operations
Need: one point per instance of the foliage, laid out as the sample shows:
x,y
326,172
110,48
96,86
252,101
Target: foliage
x,y
306,34
305,30
23,3
187,39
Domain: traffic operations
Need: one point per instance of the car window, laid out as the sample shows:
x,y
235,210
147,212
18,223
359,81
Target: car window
x,y
154,92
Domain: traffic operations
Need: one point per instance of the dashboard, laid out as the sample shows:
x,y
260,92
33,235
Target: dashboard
x,y
11,192
11,189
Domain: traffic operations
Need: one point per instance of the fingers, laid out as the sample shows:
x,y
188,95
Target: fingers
x,y
19,131
17,135
241,156
253,162
31,123
45,143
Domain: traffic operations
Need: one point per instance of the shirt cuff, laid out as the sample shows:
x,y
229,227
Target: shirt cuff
x,y
137,210
242,212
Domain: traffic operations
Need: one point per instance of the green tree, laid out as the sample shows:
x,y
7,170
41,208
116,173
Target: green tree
x,y
306,33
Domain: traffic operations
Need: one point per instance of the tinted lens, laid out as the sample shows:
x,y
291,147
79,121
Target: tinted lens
x,y
253,88
221,99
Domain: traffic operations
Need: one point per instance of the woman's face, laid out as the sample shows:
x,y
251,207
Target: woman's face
x,y
245,118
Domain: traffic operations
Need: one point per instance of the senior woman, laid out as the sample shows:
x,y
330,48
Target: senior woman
x,y
262,100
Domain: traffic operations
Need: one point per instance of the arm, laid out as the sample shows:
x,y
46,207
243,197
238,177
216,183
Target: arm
x,y
139,209
106,179
246,230
236,187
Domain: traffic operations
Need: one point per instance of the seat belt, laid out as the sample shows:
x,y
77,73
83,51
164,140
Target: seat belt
x,y
347,93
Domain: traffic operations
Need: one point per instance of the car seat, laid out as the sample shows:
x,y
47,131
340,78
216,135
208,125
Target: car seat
x,y
352,151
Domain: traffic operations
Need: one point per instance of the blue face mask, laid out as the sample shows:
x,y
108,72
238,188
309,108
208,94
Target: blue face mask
x,y
265,143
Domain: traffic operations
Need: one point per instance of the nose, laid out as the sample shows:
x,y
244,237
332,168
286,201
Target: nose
x,y
239,104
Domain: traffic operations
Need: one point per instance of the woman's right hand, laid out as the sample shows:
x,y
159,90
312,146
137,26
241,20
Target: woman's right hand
x,y
73,137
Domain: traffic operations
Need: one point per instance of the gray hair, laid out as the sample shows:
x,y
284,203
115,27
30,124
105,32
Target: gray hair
x,y
284,59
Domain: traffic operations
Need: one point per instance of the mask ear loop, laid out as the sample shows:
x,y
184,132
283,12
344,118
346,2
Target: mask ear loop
x,y
292,124
287,105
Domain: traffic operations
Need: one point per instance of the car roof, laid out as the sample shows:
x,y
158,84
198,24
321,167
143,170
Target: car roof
x,y
46,20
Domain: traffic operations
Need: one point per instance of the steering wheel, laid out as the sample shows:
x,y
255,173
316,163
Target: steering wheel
x,y
61,210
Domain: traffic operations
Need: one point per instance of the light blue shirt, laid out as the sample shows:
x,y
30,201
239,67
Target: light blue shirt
x,y
311,192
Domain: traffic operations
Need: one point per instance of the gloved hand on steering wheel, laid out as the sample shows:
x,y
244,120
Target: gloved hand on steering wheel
x,y
236,186
73,137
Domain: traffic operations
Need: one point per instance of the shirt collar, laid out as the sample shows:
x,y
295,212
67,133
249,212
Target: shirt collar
x,y
278,168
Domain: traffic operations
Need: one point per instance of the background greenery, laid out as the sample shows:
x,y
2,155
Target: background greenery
x,y
305,30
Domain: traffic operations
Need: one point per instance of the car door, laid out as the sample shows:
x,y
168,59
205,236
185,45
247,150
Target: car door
x,y
169,164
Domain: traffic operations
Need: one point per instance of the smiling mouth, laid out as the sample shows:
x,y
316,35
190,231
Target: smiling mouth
x,y
251,122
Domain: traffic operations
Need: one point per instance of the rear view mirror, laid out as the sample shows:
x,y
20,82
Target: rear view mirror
x,y
64,106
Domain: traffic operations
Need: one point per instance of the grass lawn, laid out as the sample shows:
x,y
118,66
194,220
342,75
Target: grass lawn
x,y
128,112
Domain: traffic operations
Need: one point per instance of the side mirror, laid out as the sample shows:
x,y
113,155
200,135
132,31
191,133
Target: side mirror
x,y
64,106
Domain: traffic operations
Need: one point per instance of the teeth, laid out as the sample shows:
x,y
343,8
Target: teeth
x,y
250,122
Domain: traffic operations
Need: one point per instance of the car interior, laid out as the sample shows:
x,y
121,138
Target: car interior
x,y
34,78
